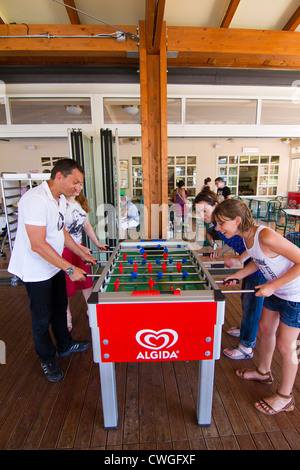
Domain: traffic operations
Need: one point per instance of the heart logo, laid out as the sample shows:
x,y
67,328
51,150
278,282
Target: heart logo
x,y
157,339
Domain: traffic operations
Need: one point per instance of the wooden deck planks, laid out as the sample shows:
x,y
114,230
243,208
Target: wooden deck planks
x,y
157,401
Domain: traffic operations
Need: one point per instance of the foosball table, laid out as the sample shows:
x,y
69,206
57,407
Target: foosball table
x,y
155,301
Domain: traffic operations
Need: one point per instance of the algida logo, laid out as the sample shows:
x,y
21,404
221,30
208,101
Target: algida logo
x,y
159,342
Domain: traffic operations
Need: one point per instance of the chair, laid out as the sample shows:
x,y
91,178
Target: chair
x,y
273,206
285,222
134,233
293,237
253,206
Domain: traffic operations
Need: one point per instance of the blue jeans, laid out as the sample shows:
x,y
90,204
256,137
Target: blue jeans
x,y
48,306
289,312
252,307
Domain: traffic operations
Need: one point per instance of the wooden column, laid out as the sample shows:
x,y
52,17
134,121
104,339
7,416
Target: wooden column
x,y
153,90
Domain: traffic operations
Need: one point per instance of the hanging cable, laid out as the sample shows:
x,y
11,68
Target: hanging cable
x,y
127,33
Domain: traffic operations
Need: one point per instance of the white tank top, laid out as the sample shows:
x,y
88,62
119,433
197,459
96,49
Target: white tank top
x,y
273,268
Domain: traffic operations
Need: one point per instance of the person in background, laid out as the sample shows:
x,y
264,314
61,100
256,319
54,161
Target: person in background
x,y
207,185
180,200
129,215
279,260
206,204
36,259
77,221
223,192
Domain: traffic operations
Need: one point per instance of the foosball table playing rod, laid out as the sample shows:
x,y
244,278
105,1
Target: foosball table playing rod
x,y
182,282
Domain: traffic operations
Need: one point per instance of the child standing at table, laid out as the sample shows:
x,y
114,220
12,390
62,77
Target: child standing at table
x,y
205,203
279,260
75,222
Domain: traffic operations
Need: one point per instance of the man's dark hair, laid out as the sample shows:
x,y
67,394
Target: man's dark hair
x,y
65,166
219,179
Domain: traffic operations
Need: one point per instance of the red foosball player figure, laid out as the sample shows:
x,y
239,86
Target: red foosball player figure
x,y
151,283
149,268
121,268
116,284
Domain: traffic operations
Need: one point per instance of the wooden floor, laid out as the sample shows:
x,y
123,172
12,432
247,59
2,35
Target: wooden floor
x,y
157,401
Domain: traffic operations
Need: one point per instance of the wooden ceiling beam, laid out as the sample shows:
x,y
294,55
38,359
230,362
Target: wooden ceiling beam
x,y
230,13
72,14
191,46
194,43
63,40
293,22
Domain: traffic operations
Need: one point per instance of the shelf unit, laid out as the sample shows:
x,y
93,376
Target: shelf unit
x,y
12,187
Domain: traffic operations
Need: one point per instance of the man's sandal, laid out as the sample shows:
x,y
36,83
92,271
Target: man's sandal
x,y
267,380
264,407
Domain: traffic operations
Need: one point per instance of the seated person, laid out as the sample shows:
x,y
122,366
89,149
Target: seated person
x,y
129,215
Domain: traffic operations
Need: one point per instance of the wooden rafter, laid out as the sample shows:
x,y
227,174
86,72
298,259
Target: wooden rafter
x,y
154,23
233,47
194,47
293,22
73,14
63,40
230,13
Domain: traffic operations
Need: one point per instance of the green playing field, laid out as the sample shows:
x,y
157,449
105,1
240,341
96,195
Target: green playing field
x,y
135,274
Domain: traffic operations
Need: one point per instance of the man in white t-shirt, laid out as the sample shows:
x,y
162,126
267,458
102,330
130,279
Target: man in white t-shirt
x,y
129,215
36,259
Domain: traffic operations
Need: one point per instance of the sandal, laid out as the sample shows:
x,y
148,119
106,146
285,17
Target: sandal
x,y
267,409
230,332
268,376
243,354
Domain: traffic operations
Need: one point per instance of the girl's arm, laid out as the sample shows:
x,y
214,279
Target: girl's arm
x,y
91,234
273,244
250,268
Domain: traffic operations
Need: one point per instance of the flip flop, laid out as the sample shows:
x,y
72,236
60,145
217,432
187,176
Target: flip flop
x,y
236,335
243,354
267,409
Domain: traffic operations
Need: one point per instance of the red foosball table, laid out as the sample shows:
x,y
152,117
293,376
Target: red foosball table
x,y
136,315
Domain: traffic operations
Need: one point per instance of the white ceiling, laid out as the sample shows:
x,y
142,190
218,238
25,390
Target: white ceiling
x,y
250,14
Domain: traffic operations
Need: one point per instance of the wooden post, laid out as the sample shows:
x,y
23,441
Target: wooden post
x,y
153,89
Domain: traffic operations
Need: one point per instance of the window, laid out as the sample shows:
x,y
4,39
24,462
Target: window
x,y
182,168
137,178
50,110
280,112
220,111
250,175
2,113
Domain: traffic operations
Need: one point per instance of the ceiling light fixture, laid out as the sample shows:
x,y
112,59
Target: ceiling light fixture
x,y
74,109
133,140
131,109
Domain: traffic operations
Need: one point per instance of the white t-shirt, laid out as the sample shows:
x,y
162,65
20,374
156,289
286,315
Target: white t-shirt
x,y
74,221
273,268
37,207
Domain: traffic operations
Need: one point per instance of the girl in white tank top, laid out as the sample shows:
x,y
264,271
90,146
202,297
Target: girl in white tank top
x,y
279,260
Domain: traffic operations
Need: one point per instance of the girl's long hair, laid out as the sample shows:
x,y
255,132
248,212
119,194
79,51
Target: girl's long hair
x,y
82,200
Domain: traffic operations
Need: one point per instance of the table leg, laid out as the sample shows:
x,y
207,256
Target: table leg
x,y
109,394
205,392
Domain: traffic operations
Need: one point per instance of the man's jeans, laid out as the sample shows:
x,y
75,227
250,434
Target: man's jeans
x,y
48,306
